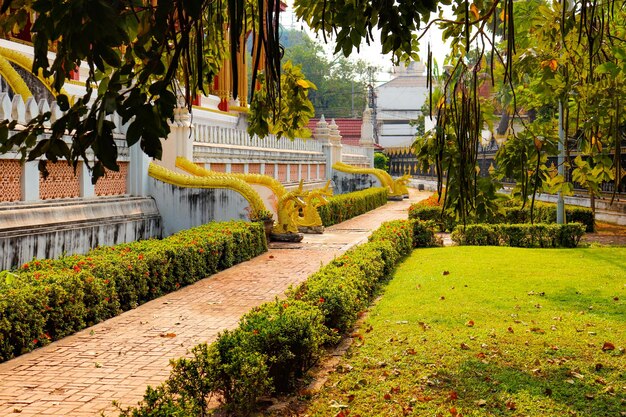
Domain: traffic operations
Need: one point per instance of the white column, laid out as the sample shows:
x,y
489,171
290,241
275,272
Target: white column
x,y
87,189
30,181
288,180
137,180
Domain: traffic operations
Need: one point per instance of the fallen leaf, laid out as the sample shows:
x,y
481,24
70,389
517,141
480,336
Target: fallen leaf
x,y
442,298
480,355
577,375
481,403
410,351
445,273
548,392
350,398
453,396
537,330
424,398
599,366
470,323
464,346
615,298
608,346
600,381
589,396
510,405
168,335
510,330
271,256
387,396
570,381
453,411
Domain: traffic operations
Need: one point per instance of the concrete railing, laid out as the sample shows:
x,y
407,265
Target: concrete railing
x,y
23,111
217,135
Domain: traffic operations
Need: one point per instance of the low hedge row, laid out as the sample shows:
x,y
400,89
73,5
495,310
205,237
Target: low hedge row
x,y
45,300
543,213
520,235
346,206
280,340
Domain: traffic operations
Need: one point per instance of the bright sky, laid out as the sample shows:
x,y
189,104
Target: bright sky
x,y
372,52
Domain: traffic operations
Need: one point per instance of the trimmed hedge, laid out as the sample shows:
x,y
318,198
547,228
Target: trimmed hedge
x,y
346,206
278,341
522,235
45,300
510,214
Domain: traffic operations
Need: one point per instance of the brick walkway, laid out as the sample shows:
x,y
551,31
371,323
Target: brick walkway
x,y
115,360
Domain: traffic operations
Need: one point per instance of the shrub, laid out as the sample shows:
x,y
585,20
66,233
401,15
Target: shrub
x,y
424,234
290,334
46,300
398,232
278,341
520,235
346,206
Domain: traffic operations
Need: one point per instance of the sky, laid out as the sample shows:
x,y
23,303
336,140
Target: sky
x,y
371,53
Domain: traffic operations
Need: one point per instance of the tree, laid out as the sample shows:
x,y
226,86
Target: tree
x,y
381,161
142,55
340,83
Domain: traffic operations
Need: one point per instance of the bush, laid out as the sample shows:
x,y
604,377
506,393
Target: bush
x,y
290,334
424,234
346,206
510,212
278,341
398,232
46,300
520,235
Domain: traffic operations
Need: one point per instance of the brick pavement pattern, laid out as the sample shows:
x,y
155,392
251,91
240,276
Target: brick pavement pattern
x,y
81,375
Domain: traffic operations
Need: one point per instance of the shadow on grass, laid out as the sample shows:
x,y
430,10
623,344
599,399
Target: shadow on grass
x,y
575,300
543,386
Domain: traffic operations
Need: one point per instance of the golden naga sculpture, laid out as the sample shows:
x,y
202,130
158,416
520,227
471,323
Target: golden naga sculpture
x,y
218,181
400,184
397,188
289,206
310,218
266,180
288,203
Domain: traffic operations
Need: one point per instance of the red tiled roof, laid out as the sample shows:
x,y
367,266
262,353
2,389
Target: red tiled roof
x,y
349,129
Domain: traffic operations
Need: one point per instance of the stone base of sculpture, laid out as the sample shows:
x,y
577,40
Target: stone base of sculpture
x,y
286,237
311,229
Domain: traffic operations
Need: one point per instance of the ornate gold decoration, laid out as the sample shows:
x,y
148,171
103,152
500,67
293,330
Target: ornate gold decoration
x,y
289,206
13,79
273,184
27,63
313,199
215,181
288,203
395,187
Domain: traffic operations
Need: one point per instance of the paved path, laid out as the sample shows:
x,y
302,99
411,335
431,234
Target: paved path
x,y
115,360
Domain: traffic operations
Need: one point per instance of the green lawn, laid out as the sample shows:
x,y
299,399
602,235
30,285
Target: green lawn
x,y
490,331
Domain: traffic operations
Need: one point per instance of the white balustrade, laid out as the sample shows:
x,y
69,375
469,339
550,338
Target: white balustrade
x,y
218,135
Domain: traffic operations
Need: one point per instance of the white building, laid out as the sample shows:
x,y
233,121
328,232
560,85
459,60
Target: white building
x,y
398,102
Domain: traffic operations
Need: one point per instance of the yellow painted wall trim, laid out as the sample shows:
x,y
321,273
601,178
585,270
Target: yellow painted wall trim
x,y
219,181
17,84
